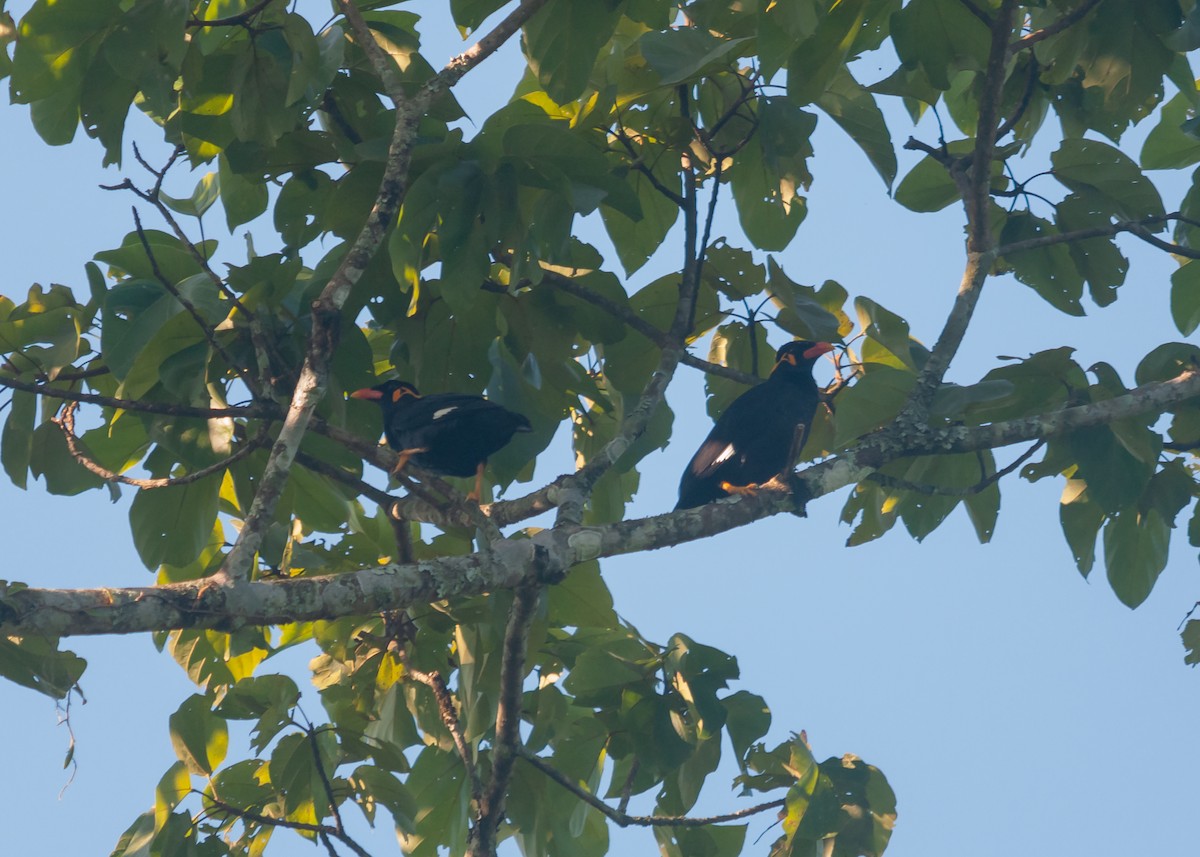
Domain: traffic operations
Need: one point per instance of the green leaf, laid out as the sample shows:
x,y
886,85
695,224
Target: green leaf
x,y
16,441
1092,166
853,107
52,460
685,53
37,662
1191,642
1048,270
872,402
563,40
1172,143
581,600
747,719
1081,520
243,197
886,328
1135,553
819,60
200,738
1096,259
1115,478
1185,297
768,173
927,187
732,271
172,525
203,196
942,36
637,239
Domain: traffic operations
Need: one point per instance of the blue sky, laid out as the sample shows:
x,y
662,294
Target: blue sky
x,y
1015,707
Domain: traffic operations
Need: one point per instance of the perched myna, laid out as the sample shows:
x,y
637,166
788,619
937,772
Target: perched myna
x,y
447,433
758,432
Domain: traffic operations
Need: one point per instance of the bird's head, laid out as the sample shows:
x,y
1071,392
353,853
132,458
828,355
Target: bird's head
x,y
389,394
798,357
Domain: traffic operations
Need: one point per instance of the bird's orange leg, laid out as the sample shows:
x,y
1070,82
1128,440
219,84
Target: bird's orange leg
x,y
478,492
731,489
404,456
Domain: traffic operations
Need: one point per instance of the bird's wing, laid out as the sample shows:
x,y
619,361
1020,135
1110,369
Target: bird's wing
x,y
442,407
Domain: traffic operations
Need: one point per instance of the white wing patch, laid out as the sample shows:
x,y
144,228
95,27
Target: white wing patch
x,y
438,414
726,454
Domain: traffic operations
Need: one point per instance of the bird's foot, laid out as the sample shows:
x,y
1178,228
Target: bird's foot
x,y
404,456
739,490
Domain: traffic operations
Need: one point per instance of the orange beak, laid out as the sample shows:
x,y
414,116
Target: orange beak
x,y
367,393
817,350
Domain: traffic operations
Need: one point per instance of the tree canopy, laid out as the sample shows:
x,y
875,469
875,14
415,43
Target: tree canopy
x,y
478,683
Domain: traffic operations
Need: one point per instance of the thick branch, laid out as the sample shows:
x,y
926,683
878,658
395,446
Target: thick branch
x,y
511,564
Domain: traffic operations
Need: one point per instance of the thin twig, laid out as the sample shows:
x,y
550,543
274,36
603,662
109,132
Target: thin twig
x,y
977,12
324,775
449,717
1137,228
211,803
193,311
1026,97
66,422
232,20
1068,20
944,491
259,410
624,820
507,743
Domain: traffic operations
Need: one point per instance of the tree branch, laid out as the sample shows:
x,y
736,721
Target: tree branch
x,y
980,252
260,410
232,20
635,322
208,332
510,564
66,422
212,803
944,491
449,715
1137,228
507,743
622,819
1068,20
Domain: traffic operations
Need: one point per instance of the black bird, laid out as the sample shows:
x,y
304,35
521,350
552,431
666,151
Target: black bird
x,y
753,439
448,433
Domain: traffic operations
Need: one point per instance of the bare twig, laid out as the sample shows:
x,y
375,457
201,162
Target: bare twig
x,y
324,775
211,803
193,311
232,20
1068,20
507,743
622,819
1137,228
945,491
66,422
977,12
1026,97
259,410
449,716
